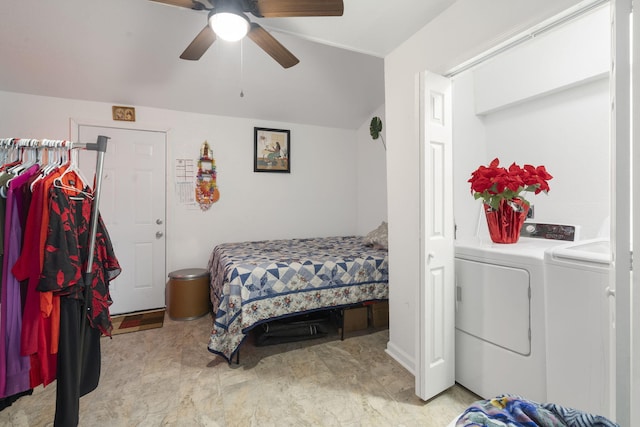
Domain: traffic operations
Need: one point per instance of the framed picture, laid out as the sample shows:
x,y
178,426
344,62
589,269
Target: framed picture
x,y
127,114
272,150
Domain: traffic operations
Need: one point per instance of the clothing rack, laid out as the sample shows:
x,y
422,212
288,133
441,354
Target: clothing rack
x,y
101,147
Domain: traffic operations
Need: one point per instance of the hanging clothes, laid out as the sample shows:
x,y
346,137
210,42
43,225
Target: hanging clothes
x,y
65,261
54,300
14,378
74,382
65,256
40,327
16,206
5,176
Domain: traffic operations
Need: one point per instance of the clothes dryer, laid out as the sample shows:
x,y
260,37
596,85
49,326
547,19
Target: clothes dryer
x,y
500,316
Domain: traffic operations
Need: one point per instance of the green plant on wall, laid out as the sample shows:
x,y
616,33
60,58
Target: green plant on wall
x,y
375,129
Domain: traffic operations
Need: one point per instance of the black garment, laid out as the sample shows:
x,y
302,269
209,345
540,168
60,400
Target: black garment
x,y
64,273
8,401
69,376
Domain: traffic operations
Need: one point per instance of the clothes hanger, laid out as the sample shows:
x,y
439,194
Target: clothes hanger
x,y
25,161
5,144
28,156
53,160
12,153
70,172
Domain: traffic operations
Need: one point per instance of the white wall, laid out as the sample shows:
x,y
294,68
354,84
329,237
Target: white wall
x,y
372,177
573,144
545,102
466,29
470,129
318,198
565,56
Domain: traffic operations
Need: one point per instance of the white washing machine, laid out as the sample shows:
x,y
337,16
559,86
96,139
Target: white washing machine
x,y
500,315
580,338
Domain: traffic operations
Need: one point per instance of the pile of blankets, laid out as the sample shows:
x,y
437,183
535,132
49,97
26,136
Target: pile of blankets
x,y
514,411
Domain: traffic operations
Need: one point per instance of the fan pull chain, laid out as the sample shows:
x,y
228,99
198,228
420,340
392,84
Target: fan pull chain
x,y
241,67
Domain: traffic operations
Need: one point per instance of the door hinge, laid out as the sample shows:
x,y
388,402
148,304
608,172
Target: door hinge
x,y
631,260
529,292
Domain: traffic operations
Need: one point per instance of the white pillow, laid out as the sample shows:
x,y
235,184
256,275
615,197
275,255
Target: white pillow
x,y
378,238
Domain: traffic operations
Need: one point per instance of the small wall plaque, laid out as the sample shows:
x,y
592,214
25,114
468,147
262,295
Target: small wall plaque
x,y
126,114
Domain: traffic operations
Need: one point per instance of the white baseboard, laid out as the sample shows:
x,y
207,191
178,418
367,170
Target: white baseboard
x,y
406,360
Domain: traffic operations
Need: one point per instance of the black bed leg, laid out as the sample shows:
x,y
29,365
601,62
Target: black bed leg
x,y
238,357
342,325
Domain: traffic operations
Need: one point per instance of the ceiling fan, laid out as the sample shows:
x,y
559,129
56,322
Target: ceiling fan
x,y
228,20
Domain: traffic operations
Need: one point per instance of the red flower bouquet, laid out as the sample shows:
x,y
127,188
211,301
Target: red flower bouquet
x,y
501,191
494,184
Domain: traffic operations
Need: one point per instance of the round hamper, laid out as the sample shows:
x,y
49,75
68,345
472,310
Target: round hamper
x,y
188,294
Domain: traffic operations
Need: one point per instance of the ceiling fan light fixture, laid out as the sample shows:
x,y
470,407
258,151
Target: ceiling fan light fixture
x,y
229,26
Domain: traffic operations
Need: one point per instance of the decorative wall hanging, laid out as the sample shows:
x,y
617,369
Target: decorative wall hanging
x,y
272,148
126,114
207,192
375,130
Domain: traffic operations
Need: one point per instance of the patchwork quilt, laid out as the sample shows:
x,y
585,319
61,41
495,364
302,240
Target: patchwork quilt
x,y
255,282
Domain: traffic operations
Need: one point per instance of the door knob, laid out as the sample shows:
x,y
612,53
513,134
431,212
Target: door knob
x,y
159,234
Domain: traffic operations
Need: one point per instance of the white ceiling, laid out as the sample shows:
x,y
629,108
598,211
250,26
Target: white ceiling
x,y
126,52
373,27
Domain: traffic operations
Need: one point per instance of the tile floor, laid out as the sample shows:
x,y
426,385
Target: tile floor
x,y
166,377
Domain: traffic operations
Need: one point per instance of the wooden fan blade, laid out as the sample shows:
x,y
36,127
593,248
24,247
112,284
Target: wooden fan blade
x,y
199,45
180,3
286,8
269,44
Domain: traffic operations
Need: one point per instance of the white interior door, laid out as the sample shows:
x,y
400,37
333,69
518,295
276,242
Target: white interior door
x,y
436,335
132,205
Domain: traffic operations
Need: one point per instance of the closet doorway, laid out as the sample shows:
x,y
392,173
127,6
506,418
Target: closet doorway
x,y
132,206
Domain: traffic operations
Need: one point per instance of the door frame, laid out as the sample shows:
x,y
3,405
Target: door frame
x,y
622,223
74,126
635,224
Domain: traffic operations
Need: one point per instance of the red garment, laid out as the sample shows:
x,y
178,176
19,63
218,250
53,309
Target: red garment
x,y
36,335
41,317
66,252
49,303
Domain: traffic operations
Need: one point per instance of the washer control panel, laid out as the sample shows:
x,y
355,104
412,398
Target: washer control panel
x,y
549,231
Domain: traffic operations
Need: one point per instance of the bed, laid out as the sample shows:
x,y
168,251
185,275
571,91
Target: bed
x,y
257,282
